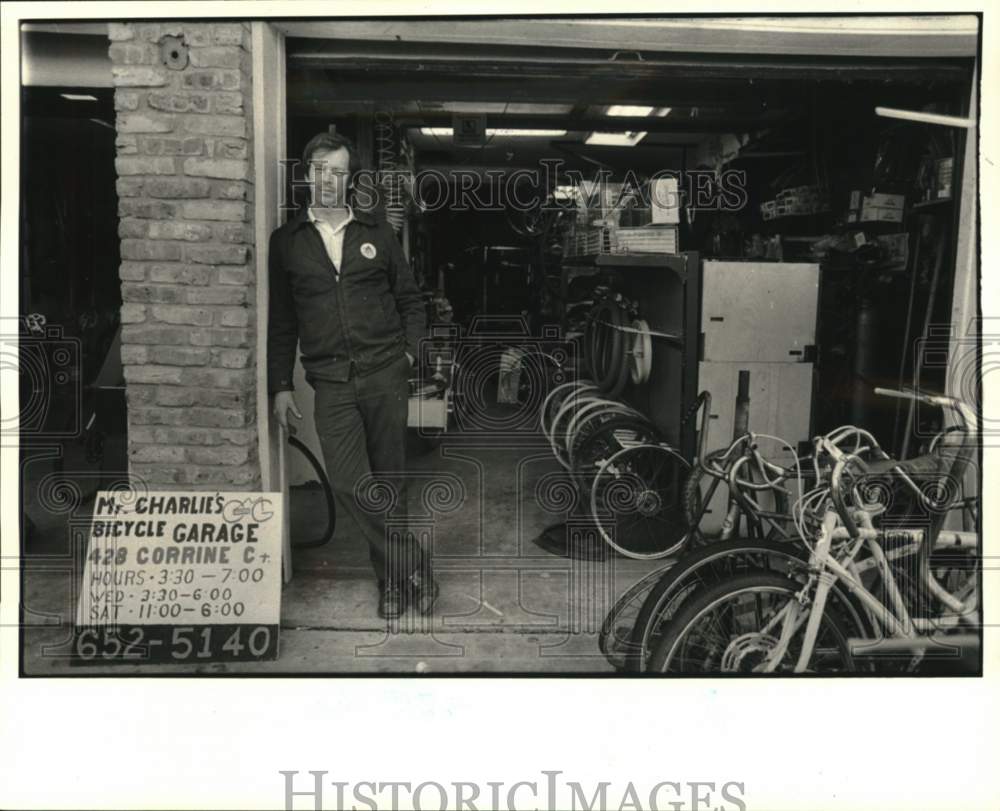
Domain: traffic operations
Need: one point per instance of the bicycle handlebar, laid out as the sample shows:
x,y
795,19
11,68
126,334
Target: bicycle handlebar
x,y
837,490
965,412
845,460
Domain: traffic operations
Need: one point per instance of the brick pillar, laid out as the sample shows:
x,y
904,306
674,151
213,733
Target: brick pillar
x,y
185,189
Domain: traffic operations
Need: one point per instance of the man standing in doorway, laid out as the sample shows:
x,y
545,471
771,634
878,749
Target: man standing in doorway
x,y
342,289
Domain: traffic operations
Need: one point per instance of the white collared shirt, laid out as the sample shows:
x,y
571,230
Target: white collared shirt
x,y
333,237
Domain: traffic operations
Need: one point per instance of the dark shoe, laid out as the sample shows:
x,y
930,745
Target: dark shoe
x,y
390,601
423,591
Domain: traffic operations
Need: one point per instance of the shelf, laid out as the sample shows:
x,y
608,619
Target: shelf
x,y
622,259
932,203
668,261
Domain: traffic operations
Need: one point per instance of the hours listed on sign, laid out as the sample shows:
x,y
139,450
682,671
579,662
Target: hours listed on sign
x,y
175,577
164,603
147,644
170,594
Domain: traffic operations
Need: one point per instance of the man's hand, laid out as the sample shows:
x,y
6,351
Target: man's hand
x,y
410,358
283,401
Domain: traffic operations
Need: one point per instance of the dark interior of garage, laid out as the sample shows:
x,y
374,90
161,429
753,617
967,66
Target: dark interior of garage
x,y
784,165
781,124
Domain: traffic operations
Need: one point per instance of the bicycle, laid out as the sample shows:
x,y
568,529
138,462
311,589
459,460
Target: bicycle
x,y
761,622
632,627
749,478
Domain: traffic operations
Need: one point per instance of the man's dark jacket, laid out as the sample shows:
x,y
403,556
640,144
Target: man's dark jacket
x,y
370,317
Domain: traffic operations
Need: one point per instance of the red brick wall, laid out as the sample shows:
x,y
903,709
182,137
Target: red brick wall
x,y
185,188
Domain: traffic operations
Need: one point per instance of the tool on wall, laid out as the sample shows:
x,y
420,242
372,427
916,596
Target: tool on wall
x,y
391,169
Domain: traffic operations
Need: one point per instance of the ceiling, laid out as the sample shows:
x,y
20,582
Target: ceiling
x,y
423,85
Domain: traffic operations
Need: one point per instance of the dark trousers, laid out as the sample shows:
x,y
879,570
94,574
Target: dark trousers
x,y
361,425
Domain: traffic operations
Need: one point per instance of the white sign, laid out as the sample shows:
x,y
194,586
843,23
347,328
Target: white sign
x,y
162,567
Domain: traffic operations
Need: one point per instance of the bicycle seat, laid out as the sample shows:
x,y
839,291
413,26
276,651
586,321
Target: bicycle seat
x,y
919,468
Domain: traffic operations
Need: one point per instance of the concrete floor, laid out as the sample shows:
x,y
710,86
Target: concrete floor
x,y
506,605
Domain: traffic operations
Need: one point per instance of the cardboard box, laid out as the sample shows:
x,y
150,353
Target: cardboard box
x,y
886,200
651,239
944,169
665,201
872,209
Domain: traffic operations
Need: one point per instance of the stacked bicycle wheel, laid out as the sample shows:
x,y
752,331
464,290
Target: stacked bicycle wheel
x,y
619,348
628,478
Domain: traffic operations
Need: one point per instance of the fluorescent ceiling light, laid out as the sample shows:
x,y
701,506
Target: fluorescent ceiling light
x,y
493,108
614,138
533,107
637,110
504,133
566,193
78,96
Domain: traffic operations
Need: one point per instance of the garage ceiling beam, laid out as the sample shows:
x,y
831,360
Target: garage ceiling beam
x,y
608,123
684,67
316,86
579,123
885,36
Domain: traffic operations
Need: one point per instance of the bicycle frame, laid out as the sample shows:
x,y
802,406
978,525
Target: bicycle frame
x,y
901,632
741,454
893,620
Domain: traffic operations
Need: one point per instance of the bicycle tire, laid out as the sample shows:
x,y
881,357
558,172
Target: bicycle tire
x,y
669,647
641,354
612,644
708,565
606,347
552,403
618,355
588,413
572,402
651,496
691,495
604,442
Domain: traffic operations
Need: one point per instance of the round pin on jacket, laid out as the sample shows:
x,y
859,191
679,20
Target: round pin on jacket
x,y
368,251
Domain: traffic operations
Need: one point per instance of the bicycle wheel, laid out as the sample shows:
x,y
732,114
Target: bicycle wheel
x,y
619,431
614,639
723,630
641,355
554,400
589,417
571,405
635,501
606,344
694,571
